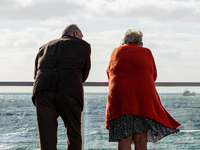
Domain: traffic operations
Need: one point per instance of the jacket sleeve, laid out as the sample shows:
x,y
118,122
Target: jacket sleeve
x,y
107,71
36,61
108,68
35,69
155,72
87,67
154,67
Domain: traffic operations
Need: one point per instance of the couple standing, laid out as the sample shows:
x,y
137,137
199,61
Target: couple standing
x,y
134,111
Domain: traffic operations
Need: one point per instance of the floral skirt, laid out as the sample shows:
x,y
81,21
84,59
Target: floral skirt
x,y
123,127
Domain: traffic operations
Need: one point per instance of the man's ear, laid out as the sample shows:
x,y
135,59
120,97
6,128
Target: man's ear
x,y
75,33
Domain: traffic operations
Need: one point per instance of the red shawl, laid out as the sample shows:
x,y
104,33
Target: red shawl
x,y
131,74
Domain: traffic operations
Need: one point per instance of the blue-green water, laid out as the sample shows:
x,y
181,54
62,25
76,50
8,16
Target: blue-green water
x,y
18,123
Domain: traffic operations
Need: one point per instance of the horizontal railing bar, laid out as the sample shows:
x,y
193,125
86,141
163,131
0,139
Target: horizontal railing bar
x,y
16,83
177,83
95,84
106,84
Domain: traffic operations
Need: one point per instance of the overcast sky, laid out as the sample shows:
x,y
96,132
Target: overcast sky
x,y
171,31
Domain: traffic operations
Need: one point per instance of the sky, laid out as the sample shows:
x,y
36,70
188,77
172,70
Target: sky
x,y
171,30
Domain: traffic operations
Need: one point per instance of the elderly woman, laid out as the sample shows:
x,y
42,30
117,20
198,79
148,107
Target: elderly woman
x,y
134,111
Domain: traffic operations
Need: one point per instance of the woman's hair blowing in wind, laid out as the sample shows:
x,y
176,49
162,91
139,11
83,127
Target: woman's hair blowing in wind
x,y
132,36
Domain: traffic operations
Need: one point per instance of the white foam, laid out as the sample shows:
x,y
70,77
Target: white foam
x,y
15,137
189,130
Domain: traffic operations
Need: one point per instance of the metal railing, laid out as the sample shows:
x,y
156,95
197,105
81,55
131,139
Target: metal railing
x,y
106,84
160,84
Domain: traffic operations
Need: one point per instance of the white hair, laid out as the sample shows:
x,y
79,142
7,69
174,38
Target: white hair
x,y
132,36
70,29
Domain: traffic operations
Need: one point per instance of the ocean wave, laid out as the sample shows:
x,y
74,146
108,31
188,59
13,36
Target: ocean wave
x,y
16,137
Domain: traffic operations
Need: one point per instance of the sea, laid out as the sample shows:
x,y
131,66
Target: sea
x,y
18,123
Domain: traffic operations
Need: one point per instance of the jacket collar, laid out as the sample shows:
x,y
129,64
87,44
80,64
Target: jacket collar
x,y
131,44
69,36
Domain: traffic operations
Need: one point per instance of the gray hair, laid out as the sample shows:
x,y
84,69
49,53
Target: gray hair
x,y
132,36
70,29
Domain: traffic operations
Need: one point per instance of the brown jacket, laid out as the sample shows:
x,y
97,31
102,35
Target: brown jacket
x,y
62,65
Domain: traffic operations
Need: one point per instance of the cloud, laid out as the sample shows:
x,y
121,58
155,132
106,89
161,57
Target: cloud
x,y
38,9
148,11
154,12
176,54
164,45
53,22
172,41
17,66
18,51
103,43
17,41
29,38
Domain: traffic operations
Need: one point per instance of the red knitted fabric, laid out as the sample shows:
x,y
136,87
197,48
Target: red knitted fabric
x,y
131,74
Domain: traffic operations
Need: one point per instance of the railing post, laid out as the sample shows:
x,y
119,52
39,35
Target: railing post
x,y
82,129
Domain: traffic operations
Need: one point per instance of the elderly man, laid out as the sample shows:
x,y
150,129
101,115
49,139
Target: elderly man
x,y
61,67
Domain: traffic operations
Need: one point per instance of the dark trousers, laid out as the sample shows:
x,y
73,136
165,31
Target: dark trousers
x,y
51,105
